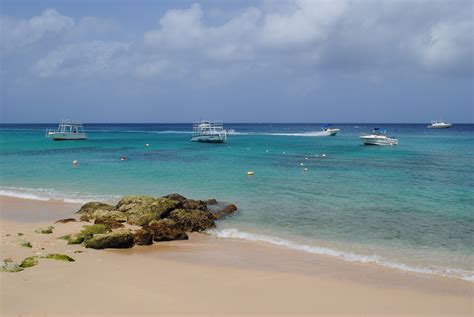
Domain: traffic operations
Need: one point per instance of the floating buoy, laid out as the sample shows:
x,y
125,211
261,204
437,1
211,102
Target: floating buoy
x,y
123,158
267,151
305,169
301,164
75,163
249,173
284,152
305,158
324,155
317,155
147,144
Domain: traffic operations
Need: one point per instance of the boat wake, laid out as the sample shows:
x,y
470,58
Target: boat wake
x,y
346,256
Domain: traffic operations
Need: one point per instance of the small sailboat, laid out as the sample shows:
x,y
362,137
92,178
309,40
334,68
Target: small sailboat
x,y
67,130
439,124
327,130
378,137
209,131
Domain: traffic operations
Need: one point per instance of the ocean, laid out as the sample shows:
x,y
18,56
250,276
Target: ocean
x,y
408,207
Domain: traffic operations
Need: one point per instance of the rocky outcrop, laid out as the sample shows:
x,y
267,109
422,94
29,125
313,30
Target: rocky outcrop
x,y
194,204
143,237
193,219
29,262
109,222
118,240
92,206
166,230
66,220
219,213
58,257
8,265
47,230
113,214
140,210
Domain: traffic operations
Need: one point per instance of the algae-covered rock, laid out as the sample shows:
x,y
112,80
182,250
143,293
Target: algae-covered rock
x,y
10,266
113,214
229,209
143,237
29,262
193,220
85,217
211,201
86,233
77,238
20,234
66,220
25,244
46,230
140,210
110,223
166,230
92,206
119,240
58,257
194,204
176,197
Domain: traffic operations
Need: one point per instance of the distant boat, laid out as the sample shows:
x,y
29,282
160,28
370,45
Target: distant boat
x,y
328,131
378,137
439,124
209,131
67,130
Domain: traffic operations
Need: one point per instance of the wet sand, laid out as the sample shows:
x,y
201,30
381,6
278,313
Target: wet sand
x,y
202,276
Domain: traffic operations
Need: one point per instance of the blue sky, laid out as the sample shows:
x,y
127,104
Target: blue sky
x,y
237,61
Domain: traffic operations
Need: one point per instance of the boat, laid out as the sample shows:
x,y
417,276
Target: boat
x,y
327,130
439,124
378,137
67,130
209,131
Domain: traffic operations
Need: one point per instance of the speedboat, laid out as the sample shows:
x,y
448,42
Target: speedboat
x,y
209,131
67,130
439,124
328,131
378,137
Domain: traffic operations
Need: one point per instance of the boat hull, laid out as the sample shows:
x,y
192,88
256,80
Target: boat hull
x,y
67,136
440,126
378,140
209,138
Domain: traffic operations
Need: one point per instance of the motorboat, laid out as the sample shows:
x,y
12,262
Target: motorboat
x,y
209,131
439,124
327,130
67,130
378,137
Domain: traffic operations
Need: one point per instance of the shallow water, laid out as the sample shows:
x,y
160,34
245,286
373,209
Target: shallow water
x,y
408,207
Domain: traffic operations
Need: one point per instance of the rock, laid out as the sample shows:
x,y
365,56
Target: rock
x,y
229,209
92,206
211,201
66,220
118,240
176,197
29,262
25,244
166,230
58,257
20,234
143,237
85,218
140,210
9,266
110,223
114,214
77,238
46,230
194,204
193,220
86,233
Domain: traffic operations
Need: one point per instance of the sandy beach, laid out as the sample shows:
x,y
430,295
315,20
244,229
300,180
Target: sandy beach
x,y
204,275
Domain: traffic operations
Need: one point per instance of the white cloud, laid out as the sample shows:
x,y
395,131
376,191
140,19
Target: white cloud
x,y
20,33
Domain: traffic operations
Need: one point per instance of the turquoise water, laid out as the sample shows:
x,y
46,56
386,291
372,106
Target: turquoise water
x,y
408,207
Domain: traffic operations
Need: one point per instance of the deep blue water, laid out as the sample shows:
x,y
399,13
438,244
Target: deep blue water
x,y
409,206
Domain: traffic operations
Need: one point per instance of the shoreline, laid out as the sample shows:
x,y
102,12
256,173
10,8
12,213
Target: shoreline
x,y
281,280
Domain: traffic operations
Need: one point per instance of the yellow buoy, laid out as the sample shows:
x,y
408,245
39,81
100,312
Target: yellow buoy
x,y
249,173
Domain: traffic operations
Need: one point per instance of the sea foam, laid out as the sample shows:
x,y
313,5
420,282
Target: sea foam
x,y
347,256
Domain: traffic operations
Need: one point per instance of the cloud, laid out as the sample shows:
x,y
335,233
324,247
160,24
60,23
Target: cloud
x,y
20,33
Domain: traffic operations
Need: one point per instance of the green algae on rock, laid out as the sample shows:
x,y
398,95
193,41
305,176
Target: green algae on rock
x,y
121,239
193,220
58,257
166,230
46,230
29,262
92,206
25,244
66,220
143,237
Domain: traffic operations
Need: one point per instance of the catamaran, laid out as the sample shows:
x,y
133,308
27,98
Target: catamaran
x,y
67,130
378,137
439,124
209,131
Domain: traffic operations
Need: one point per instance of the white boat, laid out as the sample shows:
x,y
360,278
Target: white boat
x,y
68,130
378,137
439,124
209,131
327,130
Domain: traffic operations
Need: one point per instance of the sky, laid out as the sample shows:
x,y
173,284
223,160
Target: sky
x,y
401,61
